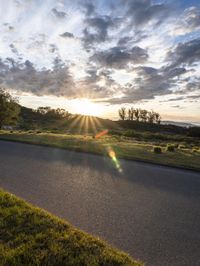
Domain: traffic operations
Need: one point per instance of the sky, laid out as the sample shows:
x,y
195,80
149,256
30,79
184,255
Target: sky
x,y
93,57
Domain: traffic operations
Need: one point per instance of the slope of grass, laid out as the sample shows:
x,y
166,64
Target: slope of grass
x,y
31,236
123,147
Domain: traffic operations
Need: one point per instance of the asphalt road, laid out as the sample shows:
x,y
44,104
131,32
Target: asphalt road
x,y
149,211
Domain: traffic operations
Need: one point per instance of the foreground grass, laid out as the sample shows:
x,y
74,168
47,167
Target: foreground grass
x,y
31,236
186,157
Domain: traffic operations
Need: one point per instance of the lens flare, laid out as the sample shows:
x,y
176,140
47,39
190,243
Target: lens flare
x,y
112,155
110,151
102,133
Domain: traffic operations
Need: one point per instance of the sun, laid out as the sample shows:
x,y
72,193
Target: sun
x,y
86,107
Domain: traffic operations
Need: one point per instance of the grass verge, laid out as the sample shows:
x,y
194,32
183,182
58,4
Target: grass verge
x,y
124,148
31,236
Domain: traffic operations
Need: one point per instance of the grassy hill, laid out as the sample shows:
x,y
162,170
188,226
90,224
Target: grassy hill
x,y
31,236
33,120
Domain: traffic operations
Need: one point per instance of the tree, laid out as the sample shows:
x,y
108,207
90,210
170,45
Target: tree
x,y
151,117
131,113
122,113
143,115
137,114
9,109
157,118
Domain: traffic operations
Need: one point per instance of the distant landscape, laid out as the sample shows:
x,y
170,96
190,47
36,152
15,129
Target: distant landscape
x,y
100,126
138,134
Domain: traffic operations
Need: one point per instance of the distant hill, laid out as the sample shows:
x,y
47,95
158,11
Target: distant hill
x,y
181,124
57,121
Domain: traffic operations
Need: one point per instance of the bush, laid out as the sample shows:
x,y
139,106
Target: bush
x,y
38,131
181,147
170,147
194,150
157,149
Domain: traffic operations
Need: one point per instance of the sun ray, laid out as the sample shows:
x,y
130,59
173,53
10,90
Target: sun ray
x,y
74,122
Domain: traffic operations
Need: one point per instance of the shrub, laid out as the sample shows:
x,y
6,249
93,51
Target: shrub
x,y
11,131
170,147
132,134
157,149
38,131
181,147
194,150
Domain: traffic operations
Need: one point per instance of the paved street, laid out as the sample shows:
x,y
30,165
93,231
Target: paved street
x,y
149,211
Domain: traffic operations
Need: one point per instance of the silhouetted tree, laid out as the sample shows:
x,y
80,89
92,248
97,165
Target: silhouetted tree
x,y
122,113
137,114
151,117
157,118
143,115
131,112
9,109
140,115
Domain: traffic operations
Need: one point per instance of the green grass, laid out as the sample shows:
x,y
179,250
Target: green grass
x,y
31,236
123,147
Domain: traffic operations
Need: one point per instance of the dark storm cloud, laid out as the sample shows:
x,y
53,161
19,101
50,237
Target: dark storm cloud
x,y
118,57
58,14
67,35
185,53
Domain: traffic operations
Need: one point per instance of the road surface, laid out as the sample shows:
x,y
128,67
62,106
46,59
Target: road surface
x,y
152,212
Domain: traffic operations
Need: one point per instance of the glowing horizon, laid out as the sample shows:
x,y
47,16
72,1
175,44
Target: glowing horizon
x,y
93,57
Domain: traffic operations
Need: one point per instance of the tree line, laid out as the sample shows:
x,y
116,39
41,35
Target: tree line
x,y
139,115
53,114
9,109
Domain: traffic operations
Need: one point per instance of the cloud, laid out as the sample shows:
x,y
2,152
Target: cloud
x,y
185,53
88,7
26,78
142,12
188,22
13,49
96,30
53,48
129,40
58,14
58,81
148,83
118,57
176,106
67,35
97,83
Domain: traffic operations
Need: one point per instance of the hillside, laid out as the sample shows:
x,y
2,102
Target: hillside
x,y
61,121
